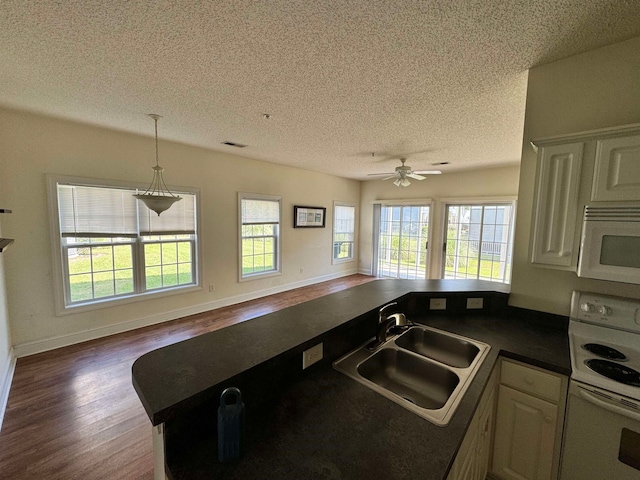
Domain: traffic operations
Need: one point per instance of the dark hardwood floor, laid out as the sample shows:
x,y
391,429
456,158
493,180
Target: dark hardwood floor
x,y
73,413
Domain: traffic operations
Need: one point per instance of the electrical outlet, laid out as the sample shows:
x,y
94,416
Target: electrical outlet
x,y
437,304
212,287
475,303
311,356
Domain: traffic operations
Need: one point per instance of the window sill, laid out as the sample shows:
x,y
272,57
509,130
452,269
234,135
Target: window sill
x,y
114,302
338,261
258,276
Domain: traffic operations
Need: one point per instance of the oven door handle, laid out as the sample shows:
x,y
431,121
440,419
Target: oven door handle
x,y
607,406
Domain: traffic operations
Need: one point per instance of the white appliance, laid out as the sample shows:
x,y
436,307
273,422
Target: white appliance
x,y
602,424
610,247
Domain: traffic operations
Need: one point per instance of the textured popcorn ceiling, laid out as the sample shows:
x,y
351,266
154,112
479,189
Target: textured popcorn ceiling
x,y
341,79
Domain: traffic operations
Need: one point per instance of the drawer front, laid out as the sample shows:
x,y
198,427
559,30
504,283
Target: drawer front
x,y
530,380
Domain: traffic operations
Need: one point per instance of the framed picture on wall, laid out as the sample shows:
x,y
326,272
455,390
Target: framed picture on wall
x,y
309,217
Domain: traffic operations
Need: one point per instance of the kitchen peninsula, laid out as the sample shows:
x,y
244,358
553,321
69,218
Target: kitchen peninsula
x,y
318,423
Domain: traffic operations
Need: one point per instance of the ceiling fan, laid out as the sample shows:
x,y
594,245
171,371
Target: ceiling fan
x,y
404,172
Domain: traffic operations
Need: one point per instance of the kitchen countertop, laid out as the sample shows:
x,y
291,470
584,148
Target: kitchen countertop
x,y
325,425
178,376
328,426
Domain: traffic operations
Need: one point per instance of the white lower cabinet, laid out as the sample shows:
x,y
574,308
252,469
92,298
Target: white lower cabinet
x,y
528,423
472,461
524,436
527,417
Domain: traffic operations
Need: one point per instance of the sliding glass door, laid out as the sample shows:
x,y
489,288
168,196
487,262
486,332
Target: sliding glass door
x,y
479,242
403,236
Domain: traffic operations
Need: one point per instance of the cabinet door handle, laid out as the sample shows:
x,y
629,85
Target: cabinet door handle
x,y
548,419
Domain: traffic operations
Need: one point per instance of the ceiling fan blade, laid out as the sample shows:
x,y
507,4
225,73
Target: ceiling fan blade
x,y
390,177
428,172
416,176
379,174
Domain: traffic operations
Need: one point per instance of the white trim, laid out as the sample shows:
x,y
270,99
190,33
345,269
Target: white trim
x,y
157,434
410,201
587,135
5,384
365,271
39,346
477,200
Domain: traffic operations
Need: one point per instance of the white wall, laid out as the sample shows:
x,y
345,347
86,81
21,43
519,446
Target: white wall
x,y
33,145
593,90
474,184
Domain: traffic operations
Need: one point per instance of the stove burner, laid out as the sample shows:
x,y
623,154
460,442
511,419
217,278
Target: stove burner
x,y
605,352
615,371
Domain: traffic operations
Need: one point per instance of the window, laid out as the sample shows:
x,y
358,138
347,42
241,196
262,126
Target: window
x,y
344,227
479,242
112,247
259,235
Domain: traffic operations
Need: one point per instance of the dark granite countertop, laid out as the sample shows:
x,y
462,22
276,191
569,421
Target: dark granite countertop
x,y
325,425
175,377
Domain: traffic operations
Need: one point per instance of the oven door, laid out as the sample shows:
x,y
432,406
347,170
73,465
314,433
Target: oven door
x,y
610,250
601,436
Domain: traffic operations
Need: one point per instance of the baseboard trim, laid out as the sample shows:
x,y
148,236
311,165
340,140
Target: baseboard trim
x,y
39,346
5,385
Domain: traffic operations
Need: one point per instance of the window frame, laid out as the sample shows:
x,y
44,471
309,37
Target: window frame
x,y
482,202
278,238
61,283
352,257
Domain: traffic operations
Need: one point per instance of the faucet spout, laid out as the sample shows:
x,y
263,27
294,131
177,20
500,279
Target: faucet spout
x,y
384,322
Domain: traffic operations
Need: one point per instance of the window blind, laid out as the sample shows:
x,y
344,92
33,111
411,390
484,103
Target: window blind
x,y
96,212
179,219
344,222
259,212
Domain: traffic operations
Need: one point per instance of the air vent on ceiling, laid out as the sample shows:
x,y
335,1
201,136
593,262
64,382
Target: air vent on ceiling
x,y
440,163
234,144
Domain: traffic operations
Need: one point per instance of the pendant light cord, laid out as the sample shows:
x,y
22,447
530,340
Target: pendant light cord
x,y
156,120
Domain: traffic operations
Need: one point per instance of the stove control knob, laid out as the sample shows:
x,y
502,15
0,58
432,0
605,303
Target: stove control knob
x,y
604,310
587,307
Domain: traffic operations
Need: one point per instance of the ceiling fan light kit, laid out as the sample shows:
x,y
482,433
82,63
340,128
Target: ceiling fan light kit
x,y
402,182
158,197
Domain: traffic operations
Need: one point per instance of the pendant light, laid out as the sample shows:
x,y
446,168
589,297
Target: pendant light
x,y
157,197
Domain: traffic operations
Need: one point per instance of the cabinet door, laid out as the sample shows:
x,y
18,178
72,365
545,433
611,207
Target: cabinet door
x,y
483,446
554,237
468,465
617,170
525,436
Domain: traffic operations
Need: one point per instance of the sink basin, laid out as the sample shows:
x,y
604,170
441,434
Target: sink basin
x,y
446,348
425,384
425,370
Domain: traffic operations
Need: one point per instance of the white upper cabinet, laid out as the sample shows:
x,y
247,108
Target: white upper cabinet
x,y
596,166
554,240
617,170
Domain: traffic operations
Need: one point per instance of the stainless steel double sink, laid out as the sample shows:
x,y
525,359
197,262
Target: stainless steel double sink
x,y
425,370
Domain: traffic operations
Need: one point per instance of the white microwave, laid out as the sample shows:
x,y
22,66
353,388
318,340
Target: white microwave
x,y
610,247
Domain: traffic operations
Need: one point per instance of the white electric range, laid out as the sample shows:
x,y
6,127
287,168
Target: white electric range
x,y
602,426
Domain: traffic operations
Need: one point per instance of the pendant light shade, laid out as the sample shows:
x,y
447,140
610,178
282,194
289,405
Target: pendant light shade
x,y
158,197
